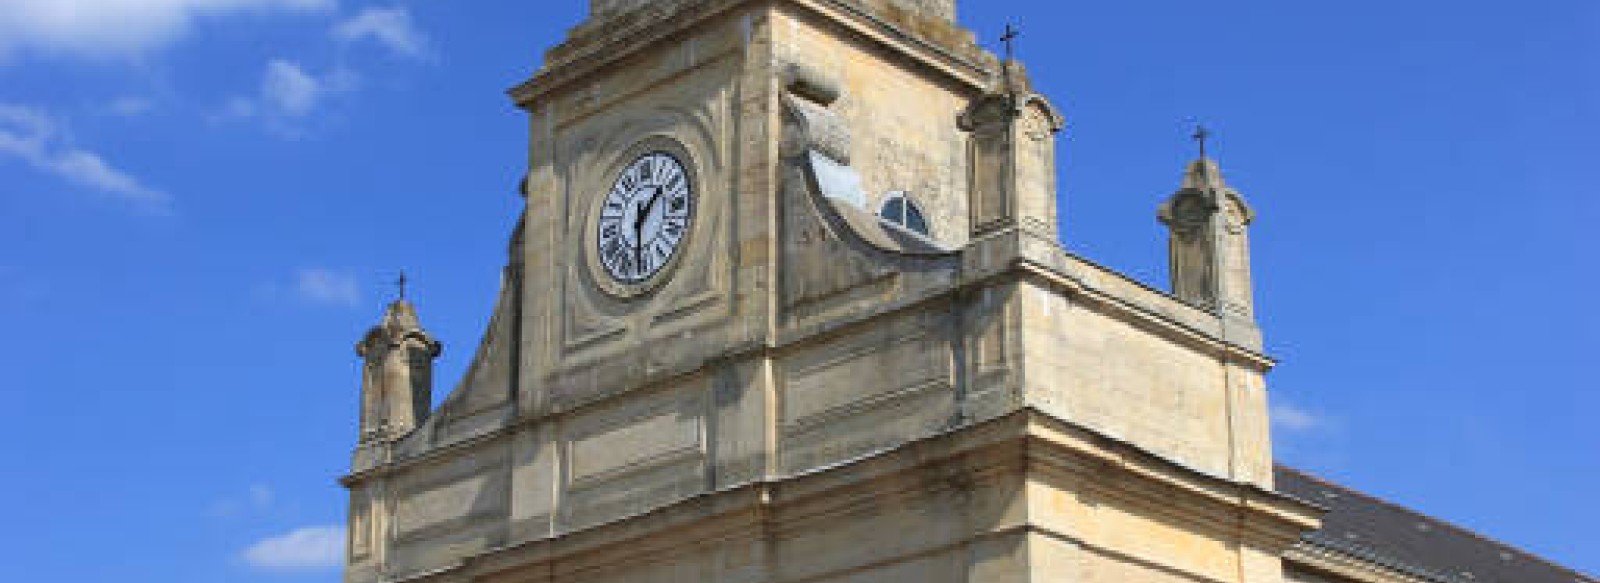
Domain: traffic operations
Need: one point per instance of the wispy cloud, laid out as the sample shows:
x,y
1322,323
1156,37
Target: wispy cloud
x,y
390,27
287,88
32,136
1308,436
288,94
1293,418
119,28
327,287
315,547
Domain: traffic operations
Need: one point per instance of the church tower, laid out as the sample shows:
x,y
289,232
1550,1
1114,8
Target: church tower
x,y
788,303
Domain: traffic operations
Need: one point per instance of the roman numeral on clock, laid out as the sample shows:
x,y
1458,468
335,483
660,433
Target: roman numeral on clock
x,y
673,229
647,263
647,170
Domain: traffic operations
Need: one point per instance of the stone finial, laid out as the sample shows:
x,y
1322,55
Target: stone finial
x,y
1013,158
397,376
1209,243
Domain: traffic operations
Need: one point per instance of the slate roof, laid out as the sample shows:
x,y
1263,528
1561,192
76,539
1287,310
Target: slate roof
x,y
1387,534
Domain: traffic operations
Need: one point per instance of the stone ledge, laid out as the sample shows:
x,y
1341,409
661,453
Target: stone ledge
x,y
597,44
1016,251
1026,444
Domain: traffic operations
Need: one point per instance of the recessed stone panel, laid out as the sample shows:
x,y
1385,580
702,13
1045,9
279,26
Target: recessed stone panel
x,y
633,454
437,506
867,390
862,374
667,432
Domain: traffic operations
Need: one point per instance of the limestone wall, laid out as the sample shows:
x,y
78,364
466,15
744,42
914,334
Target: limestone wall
x,y
902,118
1090,367
442,511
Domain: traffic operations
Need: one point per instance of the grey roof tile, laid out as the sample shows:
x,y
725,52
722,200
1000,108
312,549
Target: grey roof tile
x,y
1364,526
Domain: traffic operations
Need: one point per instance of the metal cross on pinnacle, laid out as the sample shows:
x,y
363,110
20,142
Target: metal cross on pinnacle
x,y
1202,136
1010,39
401,283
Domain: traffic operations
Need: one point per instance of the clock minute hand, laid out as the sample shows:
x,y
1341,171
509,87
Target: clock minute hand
x,y
641,219
649,207
638,228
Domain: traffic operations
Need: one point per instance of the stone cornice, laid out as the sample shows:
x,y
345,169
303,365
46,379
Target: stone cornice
x,y
1044,260
589,51
1004,257
1026,443
1125,471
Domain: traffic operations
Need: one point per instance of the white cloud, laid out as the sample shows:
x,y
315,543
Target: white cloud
x,y
30,135
287,88
316,547
1289,417
118,28
390,27
287,95
27,121
328,287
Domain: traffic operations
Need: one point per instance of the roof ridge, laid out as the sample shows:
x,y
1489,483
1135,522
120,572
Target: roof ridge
x,y
1580,576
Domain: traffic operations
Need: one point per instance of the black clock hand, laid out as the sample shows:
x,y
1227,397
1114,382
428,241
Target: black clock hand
x,y
638,246
648,207
638,227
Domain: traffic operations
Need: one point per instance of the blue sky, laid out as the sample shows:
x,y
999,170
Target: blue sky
x,y
202,203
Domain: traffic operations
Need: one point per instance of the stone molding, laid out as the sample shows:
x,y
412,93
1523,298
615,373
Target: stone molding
x,y
1028,255
1012,178
987,262
589,51
1026,445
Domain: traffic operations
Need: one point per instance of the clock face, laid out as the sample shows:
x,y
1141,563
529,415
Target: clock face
x,y
645,218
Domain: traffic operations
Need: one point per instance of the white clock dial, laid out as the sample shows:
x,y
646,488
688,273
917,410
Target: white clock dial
x,y
645,218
